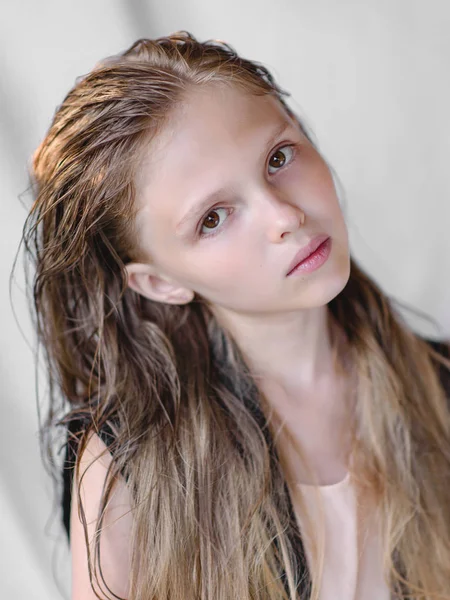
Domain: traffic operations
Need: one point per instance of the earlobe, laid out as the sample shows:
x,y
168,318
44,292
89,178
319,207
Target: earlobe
x,y
144,279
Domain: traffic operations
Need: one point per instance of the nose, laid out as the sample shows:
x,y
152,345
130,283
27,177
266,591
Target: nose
x,y
281,216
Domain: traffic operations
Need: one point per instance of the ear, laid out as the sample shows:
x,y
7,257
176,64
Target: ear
x,y
145,280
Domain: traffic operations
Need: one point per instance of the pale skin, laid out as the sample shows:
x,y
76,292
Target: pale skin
x,y
277,193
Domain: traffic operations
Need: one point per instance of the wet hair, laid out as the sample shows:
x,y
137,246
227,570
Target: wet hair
x,y
173,385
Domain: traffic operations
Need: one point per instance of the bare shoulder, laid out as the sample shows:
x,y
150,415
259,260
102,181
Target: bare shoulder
x,y
116,527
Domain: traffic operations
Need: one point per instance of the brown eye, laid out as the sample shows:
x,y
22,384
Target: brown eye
x,y
213,219
278,158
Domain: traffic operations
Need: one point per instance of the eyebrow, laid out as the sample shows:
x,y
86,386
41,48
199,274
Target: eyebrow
x,y
197,210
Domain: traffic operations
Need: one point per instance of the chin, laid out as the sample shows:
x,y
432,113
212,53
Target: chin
x,y
338,277
327,284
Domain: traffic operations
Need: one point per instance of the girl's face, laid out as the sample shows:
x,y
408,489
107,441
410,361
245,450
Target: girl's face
x,y
229,192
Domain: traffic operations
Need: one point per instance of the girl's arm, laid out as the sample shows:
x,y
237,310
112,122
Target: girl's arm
x,y
116,528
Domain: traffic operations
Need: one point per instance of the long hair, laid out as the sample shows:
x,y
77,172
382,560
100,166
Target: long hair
x,y
173,384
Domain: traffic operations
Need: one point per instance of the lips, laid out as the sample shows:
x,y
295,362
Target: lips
x,y
306,251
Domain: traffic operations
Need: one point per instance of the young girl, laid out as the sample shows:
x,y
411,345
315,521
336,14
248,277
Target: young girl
x,y
248,414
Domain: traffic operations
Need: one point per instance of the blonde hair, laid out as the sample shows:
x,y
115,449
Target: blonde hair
x,y
174,385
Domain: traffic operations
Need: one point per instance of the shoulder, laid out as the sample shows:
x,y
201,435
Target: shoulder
x,y
98,450
116,523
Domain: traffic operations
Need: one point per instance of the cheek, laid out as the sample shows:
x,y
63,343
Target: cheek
x,y
219,271
314,178
320,184
223,264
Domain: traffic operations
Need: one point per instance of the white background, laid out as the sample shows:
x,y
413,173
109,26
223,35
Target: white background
x,y
371,77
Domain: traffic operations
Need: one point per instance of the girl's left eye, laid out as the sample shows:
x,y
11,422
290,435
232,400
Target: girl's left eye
x,y
278,158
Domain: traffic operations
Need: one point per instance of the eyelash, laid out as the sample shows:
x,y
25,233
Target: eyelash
x,y
216,230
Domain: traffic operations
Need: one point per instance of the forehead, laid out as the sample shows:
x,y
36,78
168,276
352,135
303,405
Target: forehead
x,y
203,141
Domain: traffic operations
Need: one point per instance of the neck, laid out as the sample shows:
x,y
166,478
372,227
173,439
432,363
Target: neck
x,y
298,363
295,350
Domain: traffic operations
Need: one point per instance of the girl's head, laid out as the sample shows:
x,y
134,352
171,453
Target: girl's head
x,y
189,168
228,193
173,190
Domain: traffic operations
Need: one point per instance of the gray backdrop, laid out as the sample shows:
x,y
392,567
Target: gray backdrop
x,y
371,77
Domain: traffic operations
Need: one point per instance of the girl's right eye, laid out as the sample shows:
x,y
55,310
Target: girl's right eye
x,y
212,221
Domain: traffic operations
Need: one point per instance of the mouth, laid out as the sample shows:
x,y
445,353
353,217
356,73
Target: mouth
x,y
305,252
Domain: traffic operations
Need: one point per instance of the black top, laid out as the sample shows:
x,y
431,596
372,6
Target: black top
x,y
106,434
